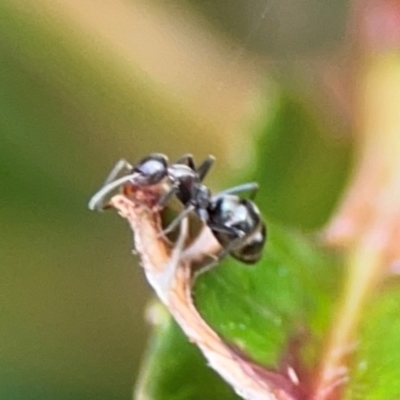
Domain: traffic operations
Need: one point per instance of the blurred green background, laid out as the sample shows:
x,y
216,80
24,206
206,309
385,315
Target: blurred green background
x,y
83,84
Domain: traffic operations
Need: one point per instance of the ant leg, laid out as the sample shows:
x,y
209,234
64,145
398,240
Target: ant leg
x,y
226,230
164,199
118,167
178,219
251,187
229,248
217,258
166,279
187,158
205,166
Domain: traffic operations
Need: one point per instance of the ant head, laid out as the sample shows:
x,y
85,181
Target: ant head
x,y
151,170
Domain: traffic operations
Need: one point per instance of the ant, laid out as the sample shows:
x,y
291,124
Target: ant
x,y
235,222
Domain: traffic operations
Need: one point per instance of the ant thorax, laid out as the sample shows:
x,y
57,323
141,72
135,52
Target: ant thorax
x,y
185,179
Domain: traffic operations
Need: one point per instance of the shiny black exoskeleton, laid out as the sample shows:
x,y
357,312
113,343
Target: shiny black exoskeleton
x,y
237,225
183,177
235,222
185,180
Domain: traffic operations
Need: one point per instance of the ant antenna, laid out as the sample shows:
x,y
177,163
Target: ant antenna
x,y
96,202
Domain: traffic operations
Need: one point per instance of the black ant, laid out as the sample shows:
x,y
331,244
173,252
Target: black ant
x,y
235,222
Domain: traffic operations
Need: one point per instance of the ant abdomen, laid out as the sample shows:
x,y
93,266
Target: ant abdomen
x,y
251,250
236,223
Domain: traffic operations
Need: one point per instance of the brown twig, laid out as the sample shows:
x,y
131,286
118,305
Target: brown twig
x,y
168,270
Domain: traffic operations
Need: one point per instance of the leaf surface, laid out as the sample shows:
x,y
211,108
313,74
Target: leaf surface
x,y
374,368
276,313
175,370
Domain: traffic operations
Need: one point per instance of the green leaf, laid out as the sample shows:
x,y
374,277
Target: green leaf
x,y
276,313
282,302
174,369
302,165
375,365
